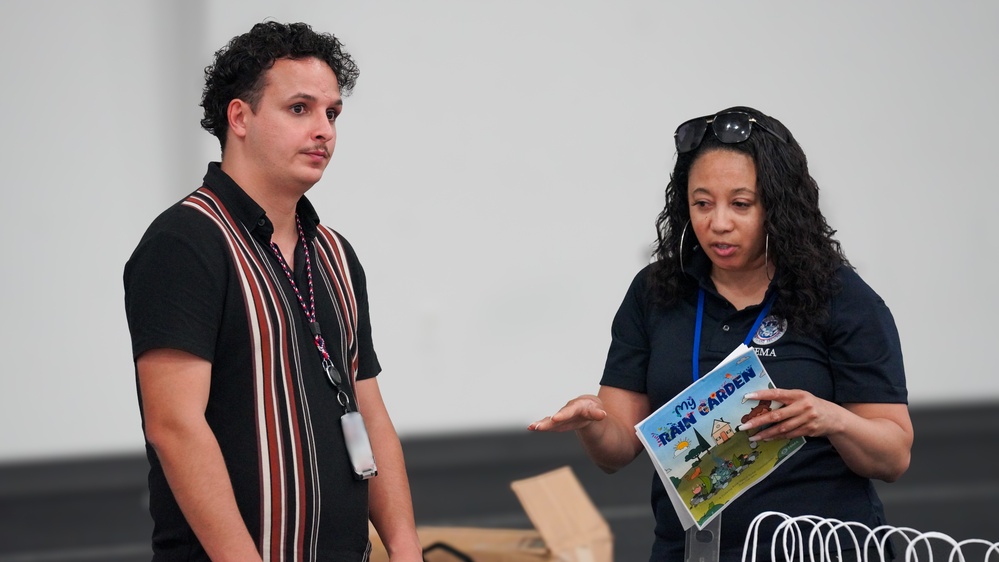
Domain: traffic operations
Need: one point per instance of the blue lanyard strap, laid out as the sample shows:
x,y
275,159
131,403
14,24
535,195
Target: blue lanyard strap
x,y
699,321
697,332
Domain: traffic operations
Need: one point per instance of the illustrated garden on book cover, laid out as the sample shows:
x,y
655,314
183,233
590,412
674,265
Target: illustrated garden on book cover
x,y
694,442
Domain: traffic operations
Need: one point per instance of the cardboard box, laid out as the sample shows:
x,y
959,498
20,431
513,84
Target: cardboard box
x,y
567,528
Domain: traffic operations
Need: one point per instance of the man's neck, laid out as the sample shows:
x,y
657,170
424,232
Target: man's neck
x,y
280,202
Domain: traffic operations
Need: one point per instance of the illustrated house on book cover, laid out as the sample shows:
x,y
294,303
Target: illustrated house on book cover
x,y
701,475
721,431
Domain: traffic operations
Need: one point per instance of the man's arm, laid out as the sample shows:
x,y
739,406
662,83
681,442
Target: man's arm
x,y
389,499
175,386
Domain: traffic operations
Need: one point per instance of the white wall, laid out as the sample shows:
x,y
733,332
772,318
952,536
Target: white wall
x,y
499,169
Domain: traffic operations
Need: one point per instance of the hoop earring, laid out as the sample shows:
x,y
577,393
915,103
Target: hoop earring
x,y
680,251
766,257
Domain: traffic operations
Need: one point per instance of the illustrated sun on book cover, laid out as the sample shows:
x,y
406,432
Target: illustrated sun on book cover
x,y
701,457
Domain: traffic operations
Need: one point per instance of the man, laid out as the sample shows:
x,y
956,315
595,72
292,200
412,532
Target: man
x,y
251,335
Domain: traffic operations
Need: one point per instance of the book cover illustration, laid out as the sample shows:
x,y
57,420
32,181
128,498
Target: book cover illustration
x,y
694,442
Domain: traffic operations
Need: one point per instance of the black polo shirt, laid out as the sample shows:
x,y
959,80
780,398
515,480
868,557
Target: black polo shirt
x,y
204,280
857,358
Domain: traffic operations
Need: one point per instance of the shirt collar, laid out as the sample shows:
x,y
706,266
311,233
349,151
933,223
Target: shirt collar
x,y
244,209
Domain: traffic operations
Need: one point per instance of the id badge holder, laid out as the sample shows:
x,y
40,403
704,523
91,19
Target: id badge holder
x,y
355,435
703,545
358,446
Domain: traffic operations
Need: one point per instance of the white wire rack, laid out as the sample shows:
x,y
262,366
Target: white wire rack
x,y
814,539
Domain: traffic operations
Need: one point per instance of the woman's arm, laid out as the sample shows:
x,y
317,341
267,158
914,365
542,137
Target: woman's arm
x,y
875,440
605,424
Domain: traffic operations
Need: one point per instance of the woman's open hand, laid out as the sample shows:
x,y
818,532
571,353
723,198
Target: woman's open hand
x,y
576,414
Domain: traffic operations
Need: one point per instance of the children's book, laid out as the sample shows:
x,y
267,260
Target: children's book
x,y
703,459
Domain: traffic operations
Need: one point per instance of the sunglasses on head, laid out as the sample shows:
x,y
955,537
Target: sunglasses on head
x,y
729,127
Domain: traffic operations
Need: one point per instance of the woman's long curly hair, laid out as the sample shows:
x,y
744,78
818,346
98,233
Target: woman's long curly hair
x,y
240,68
801,243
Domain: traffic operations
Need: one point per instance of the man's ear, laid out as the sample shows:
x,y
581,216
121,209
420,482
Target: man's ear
x,y
238,112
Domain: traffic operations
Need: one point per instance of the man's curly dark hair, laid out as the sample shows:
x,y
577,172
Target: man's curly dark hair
x,y
801,242
240,68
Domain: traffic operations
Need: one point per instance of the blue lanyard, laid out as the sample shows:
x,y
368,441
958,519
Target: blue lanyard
x,y
698,322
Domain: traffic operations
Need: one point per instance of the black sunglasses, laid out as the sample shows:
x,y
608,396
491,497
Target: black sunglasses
x,y
730,127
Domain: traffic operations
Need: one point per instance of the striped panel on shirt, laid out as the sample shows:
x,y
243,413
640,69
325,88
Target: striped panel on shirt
x,y
332,255
289,480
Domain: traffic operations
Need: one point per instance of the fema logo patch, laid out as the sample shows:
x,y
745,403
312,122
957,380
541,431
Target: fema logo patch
x,y
770,330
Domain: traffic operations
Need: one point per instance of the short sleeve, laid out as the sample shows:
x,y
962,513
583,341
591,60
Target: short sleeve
x,y
865,352
174,293
368,365
628,357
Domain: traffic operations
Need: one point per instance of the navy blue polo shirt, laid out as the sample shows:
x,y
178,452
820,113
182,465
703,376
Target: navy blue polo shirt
x,y
857,357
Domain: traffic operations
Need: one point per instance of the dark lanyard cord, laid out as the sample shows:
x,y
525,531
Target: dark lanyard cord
x,y
310,313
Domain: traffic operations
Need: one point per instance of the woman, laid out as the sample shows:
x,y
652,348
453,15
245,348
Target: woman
x,y
742,229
